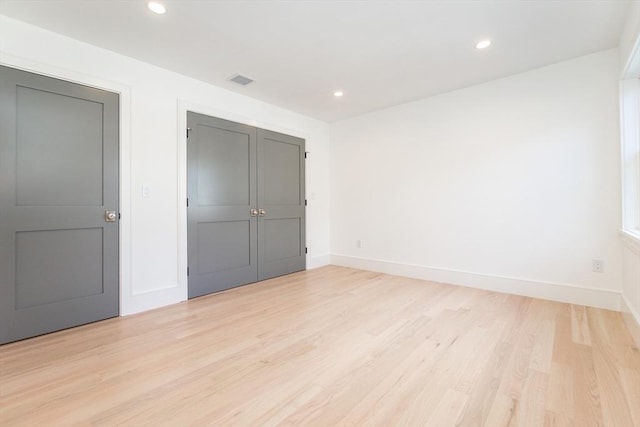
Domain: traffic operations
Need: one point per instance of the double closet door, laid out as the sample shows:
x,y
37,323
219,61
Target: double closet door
x,y
246,204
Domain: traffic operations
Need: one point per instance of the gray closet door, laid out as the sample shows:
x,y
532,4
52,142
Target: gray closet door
x,y
222,233
281,200
246,204
58,177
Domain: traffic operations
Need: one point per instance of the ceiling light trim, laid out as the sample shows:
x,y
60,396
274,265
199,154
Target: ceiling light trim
x,y
483,44
157,7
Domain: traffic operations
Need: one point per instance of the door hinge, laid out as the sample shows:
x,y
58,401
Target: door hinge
x,y
188,129
187,271
305,202
187,202
306,153
306,250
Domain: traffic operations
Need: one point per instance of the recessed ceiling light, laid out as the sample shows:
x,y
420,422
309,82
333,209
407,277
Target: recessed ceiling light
x,y
156,7
483,44
338,93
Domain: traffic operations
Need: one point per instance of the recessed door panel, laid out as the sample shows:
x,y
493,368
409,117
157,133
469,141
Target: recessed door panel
x,y
223,167
224,245
45,274
282,239
68,137
282,176
58,175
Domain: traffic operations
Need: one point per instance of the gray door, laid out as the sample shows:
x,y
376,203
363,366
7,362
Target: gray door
x,y
281,200
245,204
58,176
221,229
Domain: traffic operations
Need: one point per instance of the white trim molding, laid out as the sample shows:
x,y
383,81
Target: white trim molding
x,y
630,160
631,241
630,135
632,320
630,153
631,66
318,261
592,297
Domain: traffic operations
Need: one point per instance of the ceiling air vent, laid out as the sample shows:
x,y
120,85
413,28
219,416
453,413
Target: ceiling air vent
x,y
241,80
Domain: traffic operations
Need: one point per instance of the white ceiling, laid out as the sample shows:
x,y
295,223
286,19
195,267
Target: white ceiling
x,y
380,53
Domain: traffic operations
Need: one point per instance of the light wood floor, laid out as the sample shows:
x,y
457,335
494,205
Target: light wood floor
x,y
332,347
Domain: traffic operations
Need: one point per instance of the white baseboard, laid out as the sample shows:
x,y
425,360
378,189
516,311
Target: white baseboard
x,y
632,319
151,300
318,261
173,294
591,297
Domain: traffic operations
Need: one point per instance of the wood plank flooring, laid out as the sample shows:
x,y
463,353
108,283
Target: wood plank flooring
x,y
332,347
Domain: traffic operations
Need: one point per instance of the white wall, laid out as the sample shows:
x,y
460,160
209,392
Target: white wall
x,y
153,105
512,185
630,69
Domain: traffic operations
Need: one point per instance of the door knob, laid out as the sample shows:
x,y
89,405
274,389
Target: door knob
x,y
262,212
110,216
254,212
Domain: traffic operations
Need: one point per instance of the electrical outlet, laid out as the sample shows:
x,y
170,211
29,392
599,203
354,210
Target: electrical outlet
x,y
358,243
598,266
